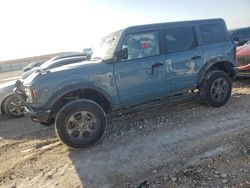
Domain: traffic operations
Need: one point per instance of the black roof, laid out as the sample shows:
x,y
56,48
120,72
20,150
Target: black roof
x,y
160,25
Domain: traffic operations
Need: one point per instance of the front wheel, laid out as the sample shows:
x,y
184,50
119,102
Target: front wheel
x,y
80,123
216,88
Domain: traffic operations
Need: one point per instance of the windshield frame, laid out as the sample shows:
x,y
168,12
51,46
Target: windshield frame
x,y
110,55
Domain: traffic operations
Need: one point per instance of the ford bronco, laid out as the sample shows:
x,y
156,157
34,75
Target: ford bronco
x,y
131,67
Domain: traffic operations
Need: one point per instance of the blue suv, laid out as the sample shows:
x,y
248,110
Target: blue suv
x,y
130,68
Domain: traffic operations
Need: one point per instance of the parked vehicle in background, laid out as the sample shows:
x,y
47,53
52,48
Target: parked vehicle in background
x,y
9,103
32,65
241,35
37,64
132,68
243,59
56,62
88,52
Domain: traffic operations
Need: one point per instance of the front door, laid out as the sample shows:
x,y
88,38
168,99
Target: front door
x,y
142,76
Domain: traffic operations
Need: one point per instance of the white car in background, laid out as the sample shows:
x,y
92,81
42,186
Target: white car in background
x,y
10,105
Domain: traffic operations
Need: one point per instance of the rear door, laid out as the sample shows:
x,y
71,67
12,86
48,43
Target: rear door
x,y
184,57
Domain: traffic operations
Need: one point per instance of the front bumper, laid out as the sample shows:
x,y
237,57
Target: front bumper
x,y
37,115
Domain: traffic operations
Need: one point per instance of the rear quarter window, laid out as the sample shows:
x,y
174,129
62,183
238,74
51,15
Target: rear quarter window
x,y
212,33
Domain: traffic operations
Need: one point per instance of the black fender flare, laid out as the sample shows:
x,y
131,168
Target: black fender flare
x,y
80,86
212,62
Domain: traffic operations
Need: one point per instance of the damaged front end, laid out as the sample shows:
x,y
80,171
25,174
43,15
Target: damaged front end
x,y
25,95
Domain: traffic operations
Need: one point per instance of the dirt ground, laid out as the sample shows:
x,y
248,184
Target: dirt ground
x,y
182,144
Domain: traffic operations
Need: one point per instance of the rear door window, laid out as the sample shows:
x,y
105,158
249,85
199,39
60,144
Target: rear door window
x,y
212,33
180,39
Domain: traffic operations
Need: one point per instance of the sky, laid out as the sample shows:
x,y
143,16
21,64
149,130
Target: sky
x,y
38,27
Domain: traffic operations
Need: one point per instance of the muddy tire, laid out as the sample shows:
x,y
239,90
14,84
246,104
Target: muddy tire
x,y
13,107
80,123
216,88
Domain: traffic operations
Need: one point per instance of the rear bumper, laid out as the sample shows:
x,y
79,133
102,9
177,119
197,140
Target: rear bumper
x,y
37,115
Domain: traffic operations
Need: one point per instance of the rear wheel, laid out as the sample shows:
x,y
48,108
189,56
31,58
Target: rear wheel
x,y
216,88
80,123
14,107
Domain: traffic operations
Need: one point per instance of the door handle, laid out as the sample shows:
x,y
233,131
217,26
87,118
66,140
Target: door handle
x,y
196,57
154,66
157,65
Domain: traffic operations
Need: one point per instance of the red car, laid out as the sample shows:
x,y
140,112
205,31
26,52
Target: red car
x,y
243,59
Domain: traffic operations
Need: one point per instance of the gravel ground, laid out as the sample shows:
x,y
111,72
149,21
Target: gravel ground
x,y
181,144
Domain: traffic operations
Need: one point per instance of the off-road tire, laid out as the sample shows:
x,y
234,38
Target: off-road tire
x,y
62,123
206,89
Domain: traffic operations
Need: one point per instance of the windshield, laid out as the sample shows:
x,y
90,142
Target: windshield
x,y
106,46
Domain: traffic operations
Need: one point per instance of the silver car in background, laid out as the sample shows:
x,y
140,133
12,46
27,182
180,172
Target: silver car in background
x,y
10,105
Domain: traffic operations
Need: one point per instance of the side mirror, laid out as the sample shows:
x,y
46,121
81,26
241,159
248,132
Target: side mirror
x,y
122,54
236,43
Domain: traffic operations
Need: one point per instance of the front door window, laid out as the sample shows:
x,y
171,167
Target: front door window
x,y
141,45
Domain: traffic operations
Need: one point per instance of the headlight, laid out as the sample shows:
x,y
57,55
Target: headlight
x,y
31,94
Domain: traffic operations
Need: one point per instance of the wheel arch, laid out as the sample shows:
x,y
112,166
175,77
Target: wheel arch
x,y
217,64
66,95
